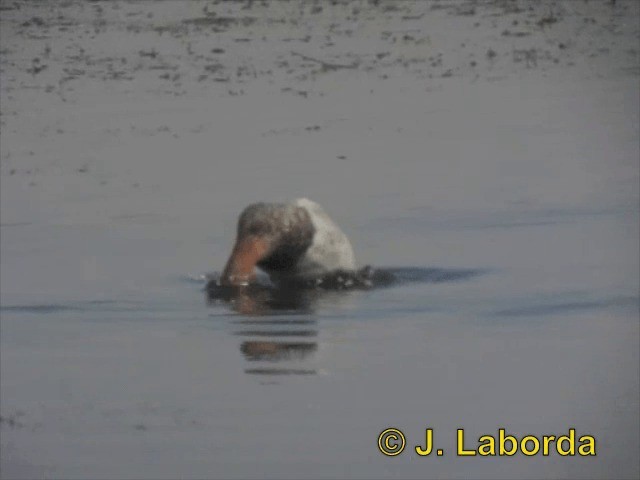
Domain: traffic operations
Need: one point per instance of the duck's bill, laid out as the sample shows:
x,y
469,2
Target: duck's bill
x,y
240,268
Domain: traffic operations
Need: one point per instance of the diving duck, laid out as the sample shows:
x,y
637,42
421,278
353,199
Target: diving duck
x,y
294,240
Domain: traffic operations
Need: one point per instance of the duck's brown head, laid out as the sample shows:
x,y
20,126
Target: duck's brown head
x,y
270,235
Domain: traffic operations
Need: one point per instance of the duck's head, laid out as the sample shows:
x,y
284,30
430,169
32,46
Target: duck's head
x,y
270,235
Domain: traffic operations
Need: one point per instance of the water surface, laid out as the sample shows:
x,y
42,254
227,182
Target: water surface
x,y
484,153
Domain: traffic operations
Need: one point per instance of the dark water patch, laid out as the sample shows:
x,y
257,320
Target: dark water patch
x,y
277,333
12,420
274,322
301,295
430,275
96,309
566,307
53,308
280,371
237,312
101,302
516,224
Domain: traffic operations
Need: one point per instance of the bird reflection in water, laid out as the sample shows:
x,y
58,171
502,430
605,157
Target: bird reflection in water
x,y
282,331
280,328
297,296
272,338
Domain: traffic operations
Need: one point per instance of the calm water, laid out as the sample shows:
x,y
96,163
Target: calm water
x,y
486,153
281,385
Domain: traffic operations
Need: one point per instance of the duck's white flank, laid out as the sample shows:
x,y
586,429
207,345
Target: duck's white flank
x,y
330,249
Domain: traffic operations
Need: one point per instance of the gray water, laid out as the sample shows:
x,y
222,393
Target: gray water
x,y
173,385
502,193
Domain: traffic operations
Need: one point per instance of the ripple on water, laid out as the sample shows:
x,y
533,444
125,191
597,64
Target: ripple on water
x,y
555,308
46,308
271,303
300,296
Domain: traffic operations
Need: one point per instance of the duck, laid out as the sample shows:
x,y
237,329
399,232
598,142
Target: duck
x,y
288,241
